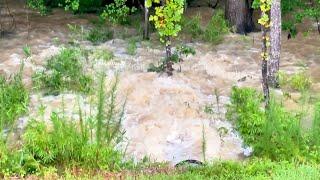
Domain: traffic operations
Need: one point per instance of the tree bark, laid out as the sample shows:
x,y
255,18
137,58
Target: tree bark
x,y
169,64
146,21
275,43
239,14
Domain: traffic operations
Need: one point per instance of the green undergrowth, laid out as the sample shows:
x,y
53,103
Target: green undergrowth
x,y
64,71
90,141
299,81
14,99
253,169
274,132
213,32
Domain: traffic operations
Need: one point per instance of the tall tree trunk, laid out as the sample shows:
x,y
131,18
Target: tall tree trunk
x,y
264,66
275,43
239,14
169,64
146,21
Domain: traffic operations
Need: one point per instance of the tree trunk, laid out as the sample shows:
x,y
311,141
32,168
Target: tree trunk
x,y
146,21
169,64
264,66
239,14
275,44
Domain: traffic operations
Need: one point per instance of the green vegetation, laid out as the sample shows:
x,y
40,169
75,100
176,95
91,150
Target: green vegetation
x,y
132,46
214,32
117,12
299,81
14,99
64,71
99,34
27,51
192,26
88,142
177,57
103,54
274,133
216,28
253,169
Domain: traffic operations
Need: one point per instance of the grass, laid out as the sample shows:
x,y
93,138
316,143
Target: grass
x,y
99,34
64,71
14,99
274,133
216,29
192,26
103,54
88,142
299,81
132,46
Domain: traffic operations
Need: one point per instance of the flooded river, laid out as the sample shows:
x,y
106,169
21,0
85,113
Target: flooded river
x,y
164,118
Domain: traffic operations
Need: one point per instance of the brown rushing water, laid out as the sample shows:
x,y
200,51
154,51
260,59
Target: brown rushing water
x,y
164,115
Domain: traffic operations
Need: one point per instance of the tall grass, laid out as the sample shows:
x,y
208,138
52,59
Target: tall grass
x,y
273,132
67,143
14,99
64,71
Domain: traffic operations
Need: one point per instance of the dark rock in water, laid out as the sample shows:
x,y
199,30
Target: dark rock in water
x,y
189,162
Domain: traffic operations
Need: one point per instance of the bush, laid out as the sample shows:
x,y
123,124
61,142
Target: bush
x,y
14,100
64,72
246,112
103,54
117,12
192,26
216,28
99,34
274,133
132,46
90,142
299,81
281,138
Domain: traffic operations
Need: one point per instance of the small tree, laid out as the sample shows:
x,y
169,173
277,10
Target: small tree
x,y
265,6
166,20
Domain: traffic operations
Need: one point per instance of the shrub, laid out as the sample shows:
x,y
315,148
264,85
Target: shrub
x,y
178,55
99,34
299,81
14,100
216,28
274,133
246,112
117,12
281,138
192,26
39,5
64,72
103,54
90,142
132,46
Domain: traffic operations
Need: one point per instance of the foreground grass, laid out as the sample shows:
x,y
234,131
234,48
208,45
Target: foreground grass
x,y
251,169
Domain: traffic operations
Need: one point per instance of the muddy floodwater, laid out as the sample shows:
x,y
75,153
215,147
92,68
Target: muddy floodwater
x,y
164,116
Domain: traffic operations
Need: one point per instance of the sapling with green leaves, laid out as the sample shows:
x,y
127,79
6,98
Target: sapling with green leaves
x,y
167,19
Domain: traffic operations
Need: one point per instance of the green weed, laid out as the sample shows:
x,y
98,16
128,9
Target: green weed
x,y
27,51
103,54
216,28
64,71
299,81
246,112
132,46
99,34
14,100
192,26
